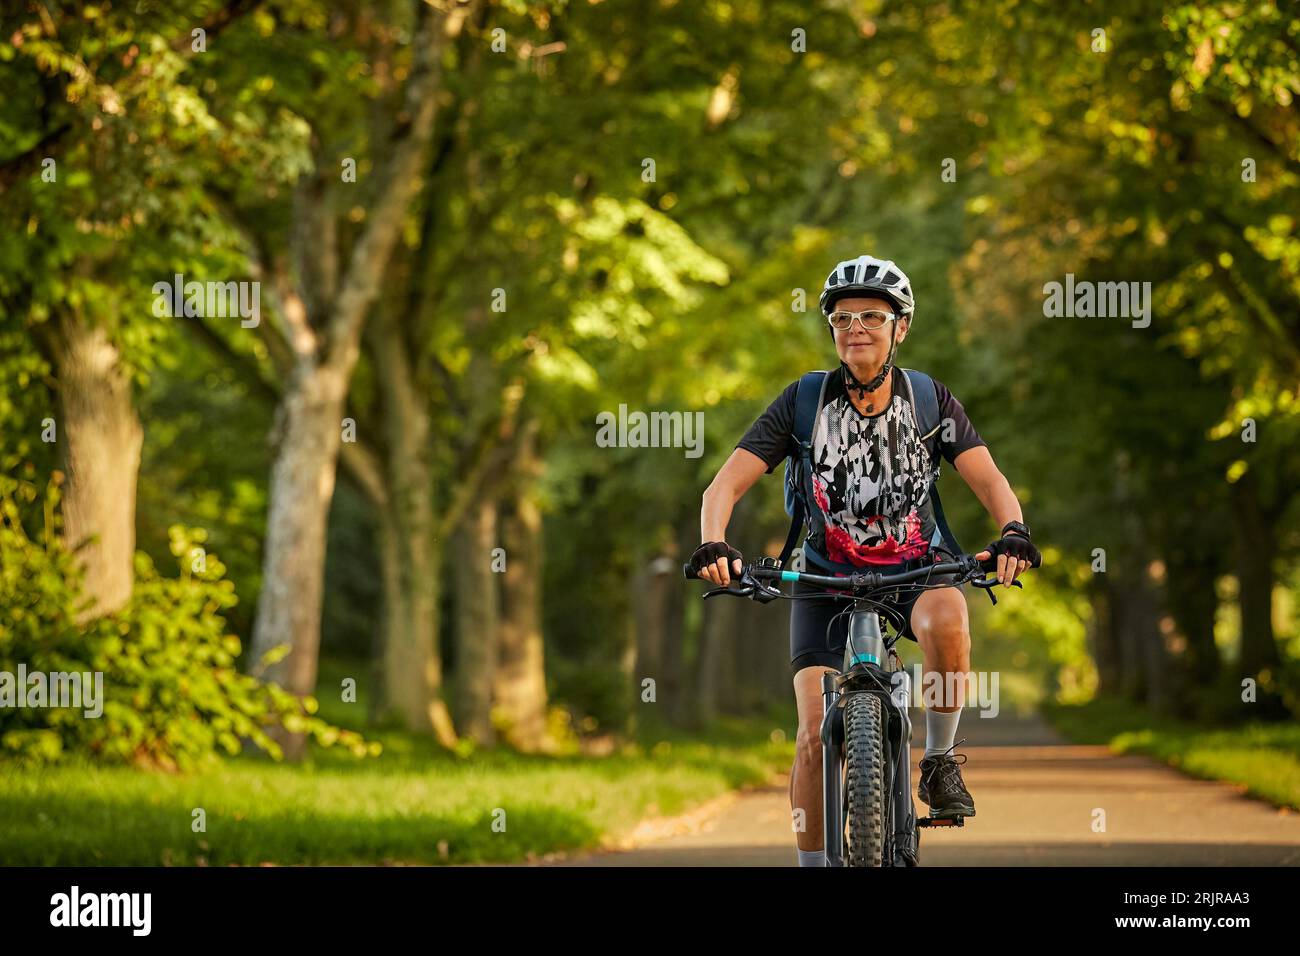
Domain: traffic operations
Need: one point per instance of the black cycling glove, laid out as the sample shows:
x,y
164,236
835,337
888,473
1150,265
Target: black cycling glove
x,y
709,552
1015,545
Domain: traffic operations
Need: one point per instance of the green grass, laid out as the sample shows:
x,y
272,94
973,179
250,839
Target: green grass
x,y
412,804
1262,758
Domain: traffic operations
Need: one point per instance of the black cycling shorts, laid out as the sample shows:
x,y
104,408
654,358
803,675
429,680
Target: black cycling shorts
x,y
820,627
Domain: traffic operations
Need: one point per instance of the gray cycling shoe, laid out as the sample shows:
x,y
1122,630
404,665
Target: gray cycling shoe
x,y
942,787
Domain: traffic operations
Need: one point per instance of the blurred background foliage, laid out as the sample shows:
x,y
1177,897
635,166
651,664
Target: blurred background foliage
x,y
987,147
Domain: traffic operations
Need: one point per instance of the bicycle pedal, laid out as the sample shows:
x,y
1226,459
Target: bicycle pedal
x,y
957,821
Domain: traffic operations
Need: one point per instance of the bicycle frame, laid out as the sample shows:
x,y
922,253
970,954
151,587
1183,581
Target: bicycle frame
x,y
864,671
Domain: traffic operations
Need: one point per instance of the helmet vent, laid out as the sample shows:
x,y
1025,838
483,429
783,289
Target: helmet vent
x,y
848,273
892,277
871,273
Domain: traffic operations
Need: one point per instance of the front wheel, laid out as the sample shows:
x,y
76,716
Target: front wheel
x,y
864,772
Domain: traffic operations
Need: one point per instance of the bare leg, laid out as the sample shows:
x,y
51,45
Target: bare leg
x,y
806,780
939,621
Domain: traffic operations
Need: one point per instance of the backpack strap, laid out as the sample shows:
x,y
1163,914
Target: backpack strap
x,y
808,398
942,531
925,405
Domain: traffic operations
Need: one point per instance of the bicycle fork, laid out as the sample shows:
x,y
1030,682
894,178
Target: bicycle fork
x,y
832,802
903,845
900,845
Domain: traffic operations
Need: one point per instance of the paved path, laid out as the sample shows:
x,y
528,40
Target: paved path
x,y
1036,797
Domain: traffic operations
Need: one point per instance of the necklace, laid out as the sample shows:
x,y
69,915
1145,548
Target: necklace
x,y
851,383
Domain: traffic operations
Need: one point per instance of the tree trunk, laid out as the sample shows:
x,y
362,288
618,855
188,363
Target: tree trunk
x,y
753,656
412,668
1193,603
1106,646
778,681
519,686
717,634
675,682
1134,618
1131,684
477,621
1256,548
728,657
325,346
101,437
412,686
650,595
1135,607
1151,642
302,484
677,650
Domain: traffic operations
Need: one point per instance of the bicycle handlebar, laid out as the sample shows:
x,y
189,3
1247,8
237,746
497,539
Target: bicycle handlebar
x,y
965,564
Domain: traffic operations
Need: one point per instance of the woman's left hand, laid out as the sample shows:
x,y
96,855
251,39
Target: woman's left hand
x,y
1015,554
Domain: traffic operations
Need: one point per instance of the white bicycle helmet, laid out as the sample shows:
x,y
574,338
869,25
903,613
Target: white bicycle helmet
x,y
867,275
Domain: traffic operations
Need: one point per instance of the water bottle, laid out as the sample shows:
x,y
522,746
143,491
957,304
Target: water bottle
x,y
866,645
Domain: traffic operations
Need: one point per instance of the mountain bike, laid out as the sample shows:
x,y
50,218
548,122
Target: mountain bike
x,y
867,811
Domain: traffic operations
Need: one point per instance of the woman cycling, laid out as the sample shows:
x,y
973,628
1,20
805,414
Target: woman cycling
x,y
871,471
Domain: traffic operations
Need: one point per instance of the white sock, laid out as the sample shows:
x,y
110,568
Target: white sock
x,y
812,857
940,731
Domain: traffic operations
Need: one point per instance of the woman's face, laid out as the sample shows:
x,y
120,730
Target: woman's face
x,y
867,349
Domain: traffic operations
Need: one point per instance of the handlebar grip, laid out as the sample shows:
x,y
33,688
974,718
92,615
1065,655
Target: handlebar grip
x,y
689,572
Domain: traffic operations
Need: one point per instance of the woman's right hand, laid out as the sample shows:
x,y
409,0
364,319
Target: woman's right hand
x,y
716,562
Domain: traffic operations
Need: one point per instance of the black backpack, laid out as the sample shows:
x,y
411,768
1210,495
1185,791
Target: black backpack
x,y
809,397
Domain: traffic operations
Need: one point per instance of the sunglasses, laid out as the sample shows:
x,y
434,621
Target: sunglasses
x,y
870,320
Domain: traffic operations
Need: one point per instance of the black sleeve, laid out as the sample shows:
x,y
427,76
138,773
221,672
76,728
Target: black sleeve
x,y
770,436
964,435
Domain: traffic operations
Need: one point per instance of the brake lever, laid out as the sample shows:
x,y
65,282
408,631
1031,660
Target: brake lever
x,y
751,588
988,584
761,591
738,592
